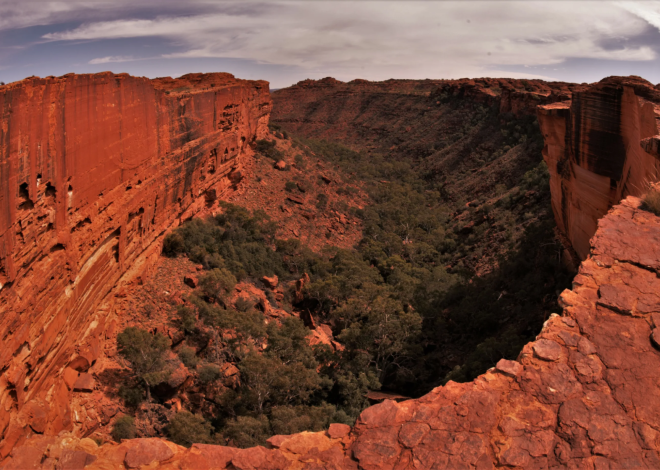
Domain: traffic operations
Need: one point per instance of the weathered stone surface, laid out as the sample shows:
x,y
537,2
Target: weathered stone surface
x,y
547,350
511,368
595,151
146,451
94,170
84,383
338,430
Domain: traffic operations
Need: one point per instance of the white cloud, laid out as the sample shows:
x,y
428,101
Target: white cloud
x,y
110,59
648,11
391,39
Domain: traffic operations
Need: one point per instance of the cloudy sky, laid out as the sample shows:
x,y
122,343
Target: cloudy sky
x,y
288,41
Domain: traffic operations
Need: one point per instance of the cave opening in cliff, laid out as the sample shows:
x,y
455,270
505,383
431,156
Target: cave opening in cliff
x,y
24,197
50,191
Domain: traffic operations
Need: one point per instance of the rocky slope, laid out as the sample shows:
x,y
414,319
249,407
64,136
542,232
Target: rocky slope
x,y
473,140
94,169
583,395
593,152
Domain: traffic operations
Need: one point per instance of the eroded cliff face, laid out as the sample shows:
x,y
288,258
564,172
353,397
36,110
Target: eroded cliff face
x,y
600,147
403,116
94,169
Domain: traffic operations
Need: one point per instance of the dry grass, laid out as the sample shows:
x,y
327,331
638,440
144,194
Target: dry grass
x,y
651,201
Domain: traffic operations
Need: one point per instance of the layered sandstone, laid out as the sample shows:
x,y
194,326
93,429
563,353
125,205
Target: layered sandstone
x,y
382,115
585,394
593,151
94,169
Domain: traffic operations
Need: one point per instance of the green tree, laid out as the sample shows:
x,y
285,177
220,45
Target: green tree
x,y
187,429
217,283
124,428
146,354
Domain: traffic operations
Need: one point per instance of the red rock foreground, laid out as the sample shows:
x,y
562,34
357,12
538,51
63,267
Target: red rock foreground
x,y
584,395
94,169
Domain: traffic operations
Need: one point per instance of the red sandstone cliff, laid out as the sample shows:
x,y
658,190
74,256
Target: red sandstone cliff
x,y
381,114
593,151
94,169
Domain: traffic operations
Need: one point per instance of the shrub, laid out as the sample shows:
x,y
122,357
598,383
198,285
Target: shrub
x,y
243,305
321,201
217,283
651,201
267,149
132,396
290,186
124,428
246,431
173,244
188,356
146,354
187,429
187,319
209,373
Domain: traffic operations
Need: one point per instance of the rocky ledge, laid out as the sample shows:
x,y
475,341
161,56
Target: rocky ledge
x,y
585,394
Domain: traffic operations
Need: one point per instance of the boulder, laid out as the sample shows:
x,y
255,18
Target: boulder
x,y
146,451
547,350
271,282
84,383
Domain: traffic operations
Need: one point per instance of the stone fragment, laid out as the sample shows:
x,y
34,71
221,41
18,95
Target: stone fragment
x,y
338,430
586,347
35,413
228,369
75,459
84,383
270,281
275,442
411,434
512,368
70,376
296,199
178,376
280,165
145,451
547,350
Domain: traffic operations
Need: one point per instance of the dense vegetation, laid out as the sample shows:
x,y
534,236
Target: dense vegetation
x,y
406,304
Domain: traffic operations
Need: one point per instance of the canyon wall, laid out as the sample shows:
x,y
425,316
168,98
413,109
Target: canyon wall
x,y
600,146
403,116
94,169
584,395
